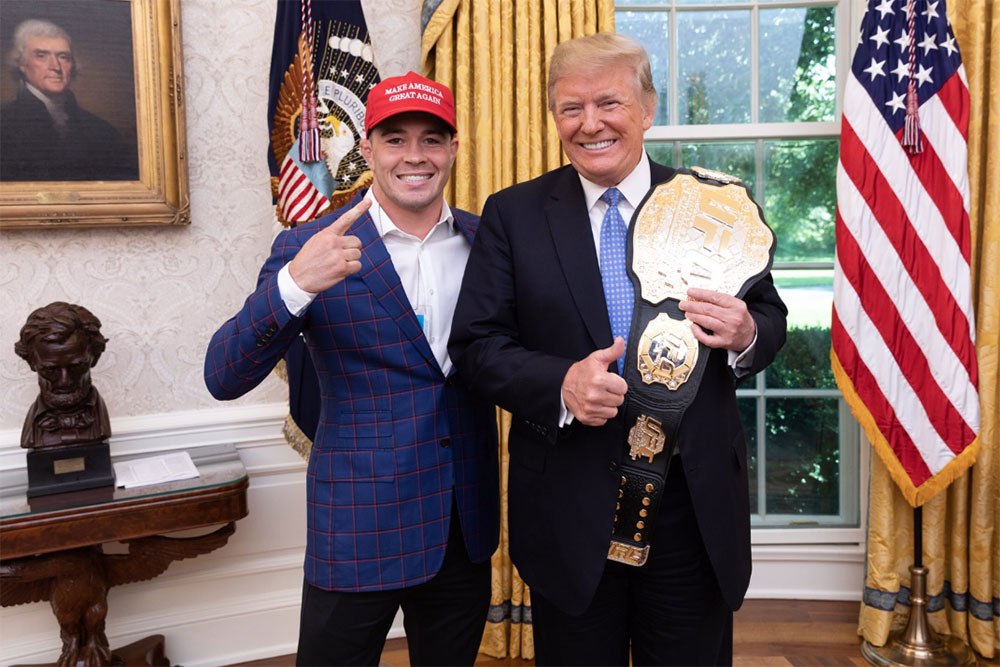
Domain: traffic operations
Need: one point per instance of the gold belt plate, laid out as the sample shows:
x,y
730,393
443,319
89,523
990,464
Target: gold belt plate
x,y
646,438
689,233
628,554
668,352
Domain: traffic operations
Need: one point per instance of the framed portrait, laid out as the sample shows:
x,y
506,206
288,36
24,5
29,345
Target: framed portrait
x,y
92,114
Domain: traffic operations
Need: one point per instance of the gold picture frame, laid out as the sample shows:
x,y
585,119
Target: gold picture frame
x,y
145,180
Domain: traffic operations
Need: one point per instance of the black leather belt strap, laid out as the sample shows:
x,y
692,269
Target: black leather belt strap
x,y
653,417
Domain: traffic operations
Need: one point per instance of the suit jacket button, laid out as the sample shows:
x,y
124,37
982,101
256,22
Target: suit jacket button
x,y
612,466
446,443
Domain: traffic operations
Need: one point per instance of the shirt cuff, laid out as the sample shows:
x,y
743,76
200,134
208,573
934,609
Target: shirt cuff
x,y
740,362
296,299
565,416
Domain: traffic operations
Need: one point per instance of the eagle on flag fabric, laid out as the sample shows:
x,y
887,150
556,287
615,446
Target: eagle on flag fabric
x,y
903,335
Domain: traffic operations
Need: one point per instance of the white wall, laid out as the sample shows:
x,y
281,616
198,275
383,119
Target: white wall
x,y
160,293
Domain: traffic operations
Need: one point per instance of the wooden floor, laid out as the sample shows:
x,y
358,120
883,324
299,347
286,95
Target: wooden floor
x,y
767,633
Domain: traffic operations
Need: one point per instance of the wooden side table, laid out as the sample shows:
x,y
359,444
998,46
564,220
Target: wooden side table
x,y
50,546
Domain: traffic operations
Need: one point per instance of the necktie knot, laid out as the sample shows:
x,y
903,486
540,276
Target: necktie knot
x,y
611,197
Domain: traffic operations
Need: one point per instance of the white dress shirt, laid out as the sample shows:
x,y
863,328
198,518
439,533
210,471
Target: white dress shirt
x,y
430,270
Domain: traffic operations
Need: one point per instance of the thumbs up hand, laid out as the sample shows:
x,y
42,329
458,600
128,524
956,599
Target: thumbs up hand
x,y
330,255
592,393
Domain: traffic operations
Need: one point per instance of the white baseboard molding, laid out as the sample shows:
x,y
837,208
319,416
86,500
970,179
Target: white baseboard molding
x,y
808,572
241,602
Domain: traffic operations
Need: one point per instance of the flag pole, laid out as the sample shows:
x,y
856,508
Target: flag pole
x,y
918,644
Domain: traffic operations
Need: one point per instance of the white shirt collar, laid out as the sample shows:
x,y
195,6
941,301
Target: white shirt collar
x,y
384,224
633,187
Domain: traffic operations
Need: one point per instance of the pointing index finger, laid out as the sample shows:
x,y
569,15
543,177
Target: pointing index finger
x,y
343,223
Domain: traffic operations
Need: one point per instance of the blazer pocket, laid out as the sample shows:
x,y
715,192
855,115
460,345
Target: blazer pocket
x,y
354,466
527,448
364,430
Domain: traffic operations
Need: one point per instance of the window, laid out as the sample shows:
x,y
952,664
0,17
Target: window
x,y
751,88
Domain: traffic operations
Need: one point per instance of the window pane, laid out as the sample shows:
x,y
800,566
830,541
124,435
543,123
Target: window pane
x,y
652,30
800,197
798,65
713,58
808,293
662,152
803,456
736,158
804,361
748,415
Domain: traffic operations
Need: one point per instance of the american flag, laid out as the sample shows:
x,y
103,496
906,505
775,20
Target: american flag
x,y
903,336
299,200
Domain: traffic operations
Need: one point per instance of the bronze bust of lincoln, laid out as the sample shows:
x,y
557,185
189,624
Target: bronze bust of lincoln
x,y
62,342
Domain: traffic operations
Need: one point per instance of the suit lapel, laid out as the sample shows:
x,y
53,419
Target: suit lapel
x,y
659,173
569,223
380,276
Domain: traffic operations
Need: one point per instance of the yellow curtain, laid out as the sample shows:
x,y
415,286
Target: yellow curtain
x,y
962,525
494,56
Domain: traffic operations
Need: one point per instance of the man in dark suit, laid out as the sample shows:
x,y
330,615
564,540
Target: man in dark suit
x,y
532,332
44,134
402,489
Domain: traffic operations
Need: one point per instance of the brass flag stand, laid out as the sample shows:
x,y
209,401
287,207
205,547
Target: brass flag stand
x,y
918,644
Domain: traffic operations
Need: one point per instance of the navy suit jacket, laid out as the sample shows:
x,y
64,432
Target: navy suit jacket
x,y
397,441
532,304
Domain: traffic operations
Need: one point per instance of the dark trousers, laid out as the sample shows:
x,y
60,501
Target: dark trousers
x,y
444,617
668,612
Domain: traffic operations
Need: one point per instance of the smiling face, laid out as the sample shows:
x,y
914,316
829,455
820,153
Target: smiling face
x,y
411,155
600,116
47,64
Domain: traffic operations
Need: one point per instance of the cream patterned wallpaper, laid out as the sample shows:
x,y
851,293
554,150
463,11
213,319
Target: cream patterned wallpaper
x,y
161,293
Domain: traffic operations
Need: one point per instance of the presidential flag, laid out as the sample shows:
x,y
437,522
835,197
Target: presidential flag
x,y
322,67
903,336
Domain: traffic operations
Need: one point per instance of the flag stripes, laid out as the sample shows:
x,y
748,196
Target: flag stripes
x,y
903,337
298,198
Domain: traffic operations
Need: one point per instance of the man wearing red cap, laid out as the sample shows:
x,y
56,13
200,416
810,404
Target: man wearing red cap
x,y
401,489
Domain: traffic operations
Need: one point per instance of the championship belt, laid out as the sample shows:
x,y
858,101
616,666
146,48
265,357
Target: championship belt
x,y
701,228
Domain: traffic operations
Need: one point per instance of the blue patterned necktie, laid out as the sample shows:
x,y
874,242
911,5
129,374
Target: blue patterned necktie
x,y
617,287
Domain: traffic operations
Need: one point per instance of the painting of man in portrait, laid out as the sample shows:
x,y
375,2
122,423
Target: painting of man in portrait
x,y
67,104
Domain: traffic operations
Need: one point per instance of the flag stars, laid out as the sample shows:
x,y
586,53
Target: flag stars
x,y
928,44
949,45
931,11
344,74
881,37
885,8
896,103
876,69
360,78
902,71
903,41
923,75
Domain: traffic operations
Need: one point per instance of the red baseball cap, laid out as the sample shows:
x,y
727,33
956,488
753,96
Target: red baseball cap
x,y
410,92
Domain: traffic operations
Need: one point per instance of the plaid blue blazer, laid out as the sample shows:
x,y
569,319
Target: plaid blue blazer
x,y
397,441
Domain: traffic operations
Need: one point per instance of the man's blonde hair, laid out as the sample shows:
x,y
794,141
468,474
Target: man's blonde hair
x,y
598,51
